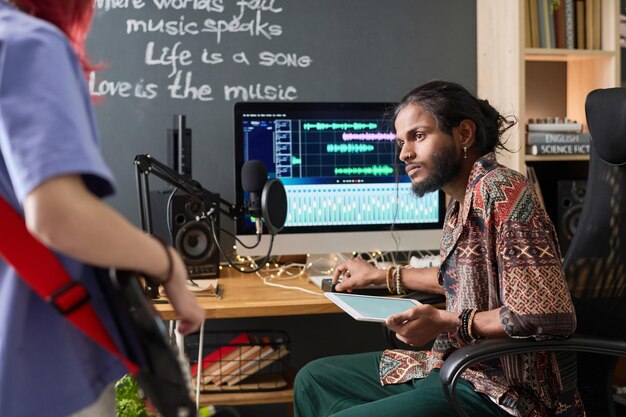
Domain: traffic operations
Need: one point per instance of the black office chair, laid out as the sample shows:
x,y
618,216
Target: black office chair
x,y
595,267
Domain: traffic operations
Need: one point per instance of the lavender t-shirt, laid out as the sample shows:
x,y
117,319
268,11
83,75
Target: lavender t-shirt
x,y
47,129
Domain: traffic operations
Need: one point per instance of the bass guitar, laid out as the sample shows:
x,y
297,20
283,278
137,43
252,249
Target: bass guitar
x,y
146,351
163,373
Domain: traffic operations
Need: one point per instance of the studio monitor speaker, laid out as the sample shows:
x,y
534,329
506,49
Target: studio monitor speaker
x,y
570,195
175,219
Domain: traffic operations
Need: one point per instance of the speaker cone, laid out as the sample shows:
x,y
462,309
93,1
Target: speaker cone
x,y
194,241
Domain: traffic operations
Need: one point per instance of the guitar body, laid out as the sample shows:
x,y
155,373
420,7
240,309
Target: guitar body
x,y
147,342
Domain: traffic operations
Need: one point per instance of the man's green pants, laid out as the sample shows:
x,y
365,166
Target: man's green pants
x,y
349,386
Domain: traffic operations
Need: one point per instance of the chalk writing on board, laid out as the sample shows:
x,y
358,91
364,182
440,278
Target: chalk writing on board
x,y
171,58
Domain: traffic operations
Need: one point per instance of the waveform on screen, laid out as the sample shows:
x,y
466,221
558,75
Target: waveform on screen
x,y
367,136
340,126
295,160
349,147
373,170
358,204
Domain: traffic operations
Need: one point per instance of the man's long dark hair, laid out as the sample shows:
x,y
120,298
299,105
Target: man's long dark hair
x,y
450,103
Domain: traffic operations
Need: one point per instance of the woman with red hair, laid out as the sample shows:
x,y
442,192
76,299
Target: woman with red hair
x,y
51,170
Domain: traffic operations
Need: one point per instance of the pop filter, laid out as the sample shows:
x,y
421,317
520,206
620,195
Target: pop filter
x,y
274,205
267,198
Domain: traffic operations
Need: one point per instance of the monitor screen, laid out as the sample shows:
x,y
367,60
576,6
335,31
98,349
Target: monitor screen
x,y
339,165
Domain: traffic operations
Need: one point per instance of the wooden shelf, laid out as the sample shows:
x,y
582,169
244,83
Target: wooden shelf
x,y
245,398
245,394
564,55
549,158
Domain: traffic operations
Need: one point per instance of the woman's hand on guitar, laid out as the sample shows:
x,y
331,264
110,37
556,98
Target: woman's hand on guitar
x,y
190,314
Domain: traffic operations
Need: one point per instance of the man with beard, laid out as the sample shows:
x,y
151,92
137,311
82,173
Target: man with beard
x,y
500,272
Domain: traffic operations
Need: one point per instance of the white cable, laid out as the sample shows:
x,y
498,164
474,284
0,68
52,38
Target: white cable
x,y
287,287
172,324
199,367
285,269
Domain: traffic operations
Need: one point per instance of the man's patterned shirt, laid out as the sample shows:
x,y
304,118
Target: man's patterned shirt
x,y
501,252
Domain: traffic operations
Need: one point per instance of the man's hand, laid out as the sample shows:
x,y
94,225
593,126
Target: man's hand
x,y
357,273
421,324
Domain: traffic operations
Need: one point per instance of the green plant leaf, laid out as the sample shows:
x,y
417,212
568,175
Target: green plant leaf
x,y
130,402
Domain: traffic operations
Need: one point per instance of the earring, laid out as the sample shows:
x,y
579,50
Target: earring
x,y
464,152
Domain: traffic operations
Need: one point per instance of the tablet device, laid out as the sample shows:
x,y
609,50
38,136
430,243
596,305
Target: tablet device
x,y
369,307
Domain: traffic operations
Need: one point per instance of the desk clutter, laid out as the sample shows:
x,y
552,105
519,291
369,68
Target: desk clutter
x,y
240,361
205,287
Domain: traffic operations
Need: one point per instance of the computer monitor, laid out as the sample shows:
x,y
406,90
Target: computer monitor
x,y
338,163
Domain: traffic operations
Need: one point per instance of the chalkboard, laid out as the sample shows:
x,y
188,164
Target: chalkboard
x,y
199,57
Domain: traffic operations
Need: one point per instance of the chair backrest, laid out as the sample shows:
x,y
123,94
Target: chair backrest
x,y
595,263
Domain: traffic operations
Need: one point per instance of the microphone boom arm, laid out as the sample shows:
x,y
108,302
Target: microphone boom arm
x,y
146,164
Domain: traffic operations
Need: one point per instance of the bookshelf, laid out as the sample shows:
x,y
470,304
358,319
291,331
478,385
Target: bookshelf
x,y
544,82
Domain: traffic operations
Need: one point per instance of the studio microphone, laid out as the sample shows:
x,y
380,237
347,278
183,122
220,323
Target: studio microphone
x,y
267,198
253,179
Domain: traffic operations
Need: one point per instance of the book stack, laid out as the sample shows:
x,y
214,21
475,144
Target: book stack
x,y
571,24
241,358
557,139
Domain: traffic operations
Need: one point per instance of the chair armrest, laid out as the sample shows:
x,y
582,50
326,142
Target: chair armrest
x,y
461,359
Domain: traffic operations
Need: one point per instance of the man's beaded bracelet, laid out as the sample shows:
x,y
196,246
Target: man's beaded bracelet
x,y
464,332
399,288
389,280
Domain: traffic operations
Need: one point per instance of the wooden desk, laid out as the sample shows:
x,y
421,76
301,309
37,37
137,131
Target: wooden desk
x,y
245,295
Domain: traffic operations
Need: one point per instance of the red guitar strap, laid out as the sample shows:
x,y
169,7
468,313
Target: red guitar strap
x,y
45,275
